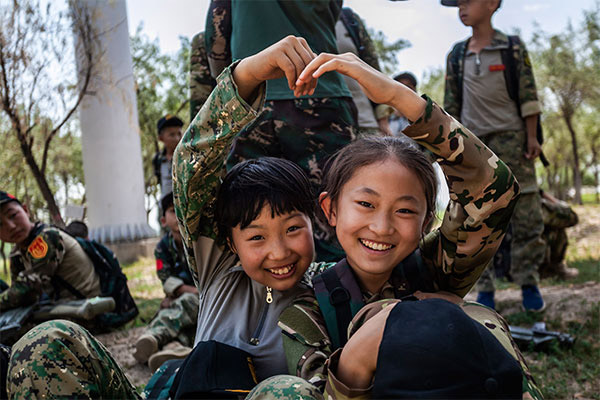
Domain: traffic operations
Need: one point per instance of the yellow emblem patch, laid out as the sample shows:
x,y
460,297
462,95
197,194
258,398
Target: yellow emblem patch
x,y
38,248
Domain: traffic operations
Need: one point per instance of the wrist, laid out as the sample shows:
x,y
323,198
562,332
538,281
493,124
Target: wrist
x,y
245,81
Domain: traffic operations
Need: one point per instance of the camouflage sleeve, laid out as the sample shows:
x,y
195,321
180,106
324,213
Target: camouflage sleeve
x,y
45,253
165,268
528,98
201,82
218,36
198,161
483,192
24,290
367,51
306,343
451,89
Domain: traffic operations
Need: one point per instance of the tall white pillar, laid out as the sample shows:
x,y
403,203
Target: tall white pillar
x,y
112,156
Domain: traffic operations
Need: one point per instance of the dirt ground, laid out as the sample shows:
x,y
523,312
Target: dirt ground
x,y
568,302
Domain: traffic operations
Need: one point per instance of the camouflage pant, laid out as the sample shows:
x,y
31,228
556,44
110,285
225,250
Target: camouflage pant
x,y
527,247
60,359
556,241
178,322
307,132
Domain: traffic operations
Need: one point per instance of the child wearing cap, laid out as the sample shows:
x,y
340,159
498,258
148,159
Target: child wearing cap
x,y
176,320
490,88
43,259
169,133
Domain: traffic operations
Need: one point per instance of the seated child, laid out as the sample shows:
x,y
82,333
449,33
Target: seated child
x,y
44,259
176,319
247,251
379,194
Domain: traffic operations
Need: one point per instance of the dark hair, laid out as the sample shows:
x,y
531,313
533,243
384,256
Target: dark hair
x,y
77,229
407,76
166,202
252,184
366,151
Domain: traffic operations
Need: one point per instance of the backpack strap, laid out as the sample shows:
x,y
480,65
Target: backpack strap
x,y
457,56
57,282
511,74
413,272
339,299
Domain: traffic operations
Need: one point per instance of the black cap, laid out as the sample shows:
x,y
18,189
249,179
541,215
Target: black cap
x,y
7,198
168,120
166,202
432,349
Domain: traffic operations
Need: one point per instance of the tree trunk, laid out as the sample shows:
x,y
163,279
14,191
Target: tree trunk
x,y
576,171
55,216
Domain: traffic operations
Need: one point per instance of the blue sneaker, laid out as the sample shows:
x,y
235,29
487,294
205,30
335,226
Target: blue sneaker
x,y
532,298
487,299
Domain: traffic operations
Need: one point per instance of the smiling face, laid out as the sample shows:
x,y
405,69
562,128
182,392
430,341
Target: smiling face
x,y
475,12
275,250
14,223
378,218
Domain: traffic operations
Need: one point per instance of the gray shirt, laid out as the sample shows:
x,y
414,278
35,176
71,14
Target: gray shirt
x,y
245,319
487,107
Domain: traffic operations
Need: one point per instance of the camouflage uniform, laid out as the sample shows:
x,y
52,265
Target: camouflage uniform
x,y
304,130
178,321
60,359
171,266
528,247
201,81
483,193
48,252
557,217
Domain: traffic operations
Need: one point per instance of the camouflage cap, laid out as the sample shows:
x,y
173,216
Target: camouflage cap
x,y
168,120
7,198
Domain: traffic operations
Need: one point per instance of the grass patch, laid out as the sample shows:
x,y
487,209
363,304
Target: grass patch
x,y
588,198
563,372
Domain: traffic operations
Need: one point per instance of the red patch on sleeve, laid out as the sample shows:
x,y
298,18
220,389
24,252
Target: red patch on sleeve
x,y
497,67
159,264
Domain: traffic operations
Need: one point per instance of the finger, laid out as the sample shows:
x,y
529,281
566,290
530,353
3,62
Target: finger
x,y
298,63
304,50
309,70
331,65
289,69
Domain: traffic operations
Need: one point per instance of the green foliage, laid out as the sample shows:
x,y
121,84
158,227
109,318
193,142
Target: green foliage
x,y
566,68
161,88
432,84
387,53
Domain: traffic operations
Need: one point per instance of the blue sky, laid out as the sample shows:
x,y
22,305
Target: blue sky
x,y
430,27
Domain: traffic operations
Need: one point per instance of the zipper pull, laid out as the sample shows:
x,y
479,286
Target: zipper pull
x,y
269,295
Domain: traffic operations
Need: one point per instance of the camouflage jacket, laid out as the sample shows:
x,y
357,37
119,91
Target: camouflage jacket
x,y
171,266
48,252
528,98
558,214
483,193
232,307
201,82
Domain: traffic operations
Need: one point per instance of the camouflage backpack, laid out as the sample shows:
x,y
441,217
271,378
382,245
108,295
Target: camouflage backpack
x,y
511,77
